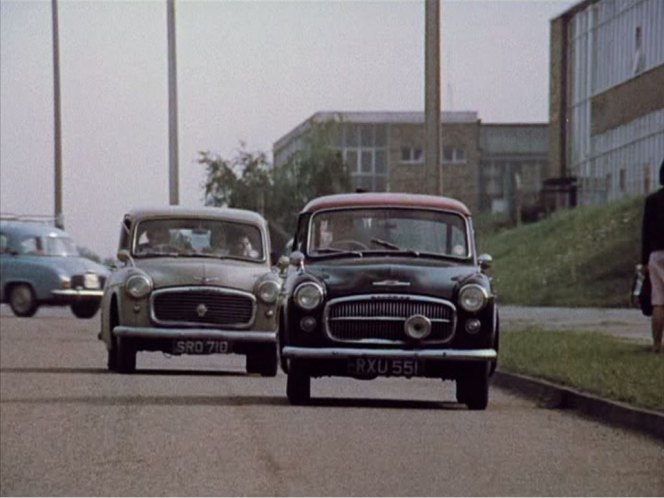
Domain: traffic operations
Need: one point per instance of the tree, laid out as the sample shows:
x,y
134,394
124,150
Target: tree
x,y
249,181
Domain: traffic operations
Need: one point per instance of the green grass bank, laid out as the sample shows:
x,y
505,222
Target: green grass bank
x,y
594,363
581,257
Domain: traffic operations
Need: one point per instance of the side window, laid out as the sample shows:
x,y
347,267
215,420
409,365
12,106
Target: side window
x,y
4,242
31,245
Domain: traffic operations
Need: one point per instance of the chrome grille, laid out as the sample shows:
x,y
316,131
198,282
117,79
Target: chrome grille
x,y
381,318
203,306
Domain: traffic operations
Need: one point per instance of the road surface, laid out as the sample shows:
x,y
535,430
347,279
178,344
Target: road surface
x,y
201,426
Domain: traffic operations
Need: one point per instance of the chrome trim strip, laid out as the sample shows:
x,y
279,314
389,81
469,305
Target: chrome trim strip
x,y
391,283
218,290
427,354
395,297
383,319
78,293
257,336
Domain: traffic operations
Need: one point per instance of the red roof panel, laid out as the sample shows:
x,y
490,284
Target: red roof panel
x,y
392,199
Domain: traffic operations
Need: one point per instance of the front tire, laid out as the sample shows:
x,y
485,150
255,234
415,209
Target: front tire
x,y
298,386
473,388
126,356
263,362
22,300
84,309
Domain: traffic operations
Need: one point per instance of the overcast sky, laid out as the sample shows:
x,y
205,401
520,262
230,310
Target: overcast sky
x,y
247,71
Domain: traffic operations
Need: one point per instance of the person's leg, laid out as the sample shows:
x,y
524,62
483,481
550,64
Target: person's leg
x,y
657,328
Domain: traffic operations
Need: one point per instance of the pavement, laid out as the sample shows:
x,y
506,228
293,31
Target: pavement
x,y
628,324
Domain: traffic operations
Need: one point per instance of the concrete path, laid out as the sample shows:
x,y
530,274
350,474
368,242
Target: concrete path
x,y
622,322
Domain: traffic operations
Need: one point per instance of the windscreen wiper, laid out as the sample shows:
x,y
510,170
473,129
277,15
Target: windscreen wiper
x,y
390,245
329,251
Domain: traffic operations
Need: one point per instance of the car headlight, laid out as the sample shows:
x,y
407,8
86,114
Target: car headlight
x,y
138,286
308,295
473,297
268,291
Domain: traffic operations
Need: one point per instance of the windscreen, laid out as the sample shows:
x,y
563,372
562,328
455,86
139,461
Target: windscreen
x,y
200,238
389,229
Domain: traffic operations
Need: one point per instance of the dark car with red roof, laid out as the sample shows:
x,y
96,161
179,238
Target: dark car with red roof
x,y
388,285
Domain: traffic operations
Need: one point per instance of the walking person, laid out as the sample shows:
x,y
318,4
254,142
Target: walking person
x,y
652,257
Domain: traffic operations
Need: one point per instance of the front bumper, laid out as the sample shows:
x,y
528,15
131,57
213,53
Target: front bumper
x,y
158,333
426,354
363,363
76,295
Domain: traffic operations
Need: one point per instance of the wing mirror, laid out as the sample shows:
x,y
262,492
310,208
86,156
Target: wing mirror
x,y
485,261
297,259
125,257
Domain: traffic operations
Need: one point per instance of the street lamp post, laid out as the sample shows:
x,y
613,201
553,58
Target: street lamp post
x,y
57,127
432,97
173,192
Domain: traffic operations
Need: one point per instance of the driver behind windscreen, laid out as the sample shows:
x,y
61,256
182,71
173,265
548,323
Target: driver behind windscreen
x,y
155,236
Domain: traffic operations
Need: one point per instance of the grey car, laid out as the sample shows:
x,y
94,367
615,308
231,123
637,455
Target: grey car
x,y
41,265
192,282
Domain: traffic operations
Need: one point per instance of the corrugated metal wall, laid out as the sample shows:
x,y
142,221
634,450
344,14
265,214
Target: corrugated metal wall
x,y
609,43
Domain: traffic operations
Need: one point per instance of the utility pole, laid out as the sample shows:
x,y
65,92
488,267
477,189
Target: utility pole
x,y
57,127
434,172
173,193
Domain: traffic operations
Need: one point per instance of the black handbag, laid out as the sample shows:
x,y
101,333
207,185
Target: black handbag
x,y
642,292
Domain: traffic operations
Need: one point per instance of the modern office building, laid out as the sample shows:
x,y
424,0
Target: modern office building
x,y
606,101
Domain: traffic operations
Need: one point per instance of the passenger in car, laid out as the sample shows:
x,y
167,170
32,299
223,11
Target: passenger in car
x,y
240,244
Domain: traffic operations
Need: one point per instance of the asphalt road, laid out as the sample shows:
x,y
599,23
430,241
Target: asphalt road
x,y
201,426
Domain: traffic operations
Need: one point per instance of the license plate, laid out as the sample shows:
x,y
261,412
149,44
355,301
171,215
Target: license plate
x,y
381,366
91,281
200,346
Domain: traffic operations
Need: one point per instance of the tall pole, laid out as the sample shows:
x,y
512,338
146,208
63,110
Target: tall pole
x,y
57,128
173,193
432,97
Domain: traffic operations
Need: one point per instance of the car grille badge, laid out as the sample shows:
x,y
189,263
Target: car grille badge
x,y
201,310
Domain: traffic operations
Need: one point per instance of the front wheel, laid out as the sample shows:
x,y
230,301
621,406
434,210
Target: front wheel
x,y
22,300
126,356
263,362
473,388
85,309
298,385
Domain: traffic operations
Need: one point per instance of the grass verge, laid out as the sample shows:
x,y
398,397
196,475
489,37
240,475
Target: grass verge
x,y
594,363
582,257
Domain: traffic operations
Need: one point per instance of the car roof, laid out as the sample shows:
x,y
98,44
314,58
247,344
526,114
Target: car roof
x,y
386,199
219,213
34,229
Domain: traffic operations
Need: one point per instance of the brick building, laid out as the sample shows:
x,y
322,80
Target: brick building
x,y
385,152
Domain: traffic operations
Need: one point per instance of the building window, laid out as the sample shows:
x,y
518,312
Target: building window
x,y
639,56
351,161
622,179
454,155
365,154
412,155
367,161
